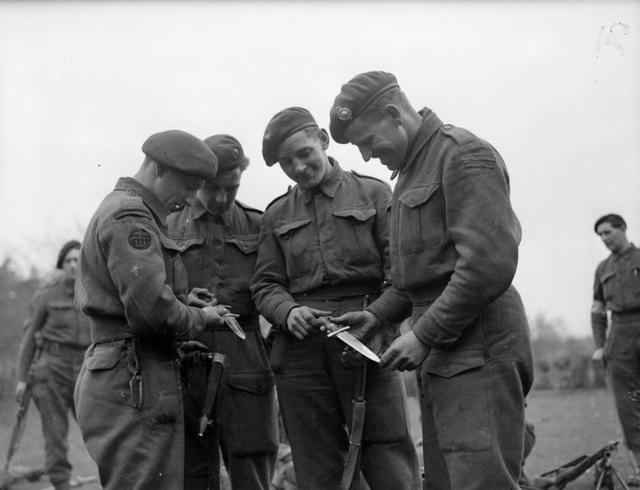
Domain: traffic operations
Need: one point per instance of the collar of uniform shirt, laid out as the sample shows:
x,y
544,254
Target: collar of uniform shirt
x,y
151,201
198,210
328,185
429,126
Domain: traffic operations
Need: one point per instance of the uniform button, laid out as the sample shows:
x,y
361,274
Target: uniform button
x,y
259,389
446,370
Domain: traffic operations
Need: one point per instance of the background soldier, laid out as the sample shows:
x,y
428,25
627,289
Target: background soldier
x,y
220,236
64,334
454,248
616,288
134,288
323,250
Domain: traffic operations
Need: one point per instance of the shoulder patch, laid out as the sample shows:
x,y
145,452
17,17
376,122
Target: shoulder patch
x,y
140,239
278,198
247,208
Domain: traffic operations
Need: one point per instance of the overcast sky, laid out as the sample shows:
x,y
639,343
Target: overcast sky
x,y
554,86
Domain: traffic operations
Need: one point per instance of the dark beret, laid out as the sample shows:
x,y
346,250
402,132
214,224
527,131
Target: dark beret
x,y
280,127
354,98
183,152
228,151
70,245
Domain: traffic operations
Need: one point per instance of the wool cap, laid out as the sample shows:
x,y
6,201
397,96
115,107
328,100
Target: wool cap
x,y
183,152
355,97
280,127
228,151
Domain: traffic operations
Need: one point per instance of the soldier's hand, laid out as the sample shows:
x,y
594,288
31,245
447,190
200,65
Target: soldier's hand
x,y
364,326
215,314
303,321
598,357
405,353
201,297
21,387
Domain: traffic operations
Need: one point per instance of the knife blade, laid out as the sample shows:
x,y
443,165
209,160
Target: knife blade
x,y
334,331
233,325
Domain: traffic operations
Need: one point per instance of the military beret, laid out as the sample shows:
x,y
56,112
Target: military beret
x,y
183,152
355,97
229,152
66,248
280,127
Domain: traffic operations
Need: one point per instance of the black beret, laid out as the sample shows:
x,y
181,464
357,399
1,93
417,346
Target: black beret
x,y
183,152
228,151
354,98
70,245
280,127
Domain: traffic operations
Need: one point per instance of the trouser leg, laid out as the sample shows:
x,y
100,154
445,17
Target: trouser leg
x,y
479,419
133,448
311,410
625,383
53,398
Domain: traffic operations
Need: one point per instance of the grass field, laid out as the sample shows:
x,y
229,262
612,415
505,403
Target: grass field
x,y
568,424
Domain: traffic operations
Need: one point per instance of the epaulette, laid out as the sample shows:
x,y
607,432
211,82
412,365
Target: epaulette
x,y
364,176
247,208
278,198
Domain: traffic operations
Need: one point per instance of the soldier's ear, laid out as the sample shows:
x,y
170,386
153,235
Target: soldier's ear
x,y
393,111
323,136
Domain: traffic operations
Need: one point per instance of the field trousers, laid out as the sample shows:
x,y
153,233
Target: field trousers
x,y
133,427
315,394
55,378
622,353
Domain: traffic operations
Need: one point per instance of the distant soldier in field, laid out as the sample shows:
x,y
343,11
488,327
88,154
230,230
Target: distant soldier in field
x,y
616,289
323,250
220,238
64,333
133,286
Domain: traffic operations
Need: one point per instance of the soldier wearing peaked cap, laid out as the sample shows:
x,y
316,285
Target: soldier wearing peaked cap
x,y
324,250
454,250
220,239
133,287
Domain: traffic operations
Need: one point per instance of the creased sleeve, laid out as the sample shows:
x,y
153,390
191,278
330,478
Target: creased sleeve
x,y
485,234
136,265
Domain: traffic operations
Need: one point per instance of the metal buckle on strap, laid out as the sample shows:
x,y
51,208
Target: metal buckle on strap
x,y
133,367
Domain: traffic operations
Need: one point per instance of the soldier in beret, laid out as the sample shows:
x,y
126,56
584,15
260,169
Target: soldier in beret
x,y
220,239
323,250
133,286
454,250
63,334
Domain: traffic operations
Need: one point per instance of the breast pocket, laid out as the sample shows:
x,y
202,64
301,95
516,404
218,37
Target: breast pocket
x,y
242,260
421,219
295,237
355,227
608,285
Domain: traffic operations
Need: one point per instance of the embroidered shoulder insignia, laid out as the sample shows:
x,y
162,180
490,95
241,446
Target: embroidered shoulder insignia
x,y
140,239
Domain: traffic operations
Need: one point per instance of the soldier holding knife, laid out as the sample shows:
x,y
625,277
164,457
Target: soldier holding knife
x,y
323,251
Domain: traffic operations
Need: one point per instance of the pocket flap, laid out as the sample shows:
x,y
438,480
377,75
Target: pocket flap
x,y
361,214
247,244
186,243
291,225
607,276
104,357
258,383
447,364
418,195
170,243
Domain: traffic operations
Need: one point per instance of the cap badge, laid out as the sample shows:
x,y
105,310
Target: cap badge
x,y
344,113
236,153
